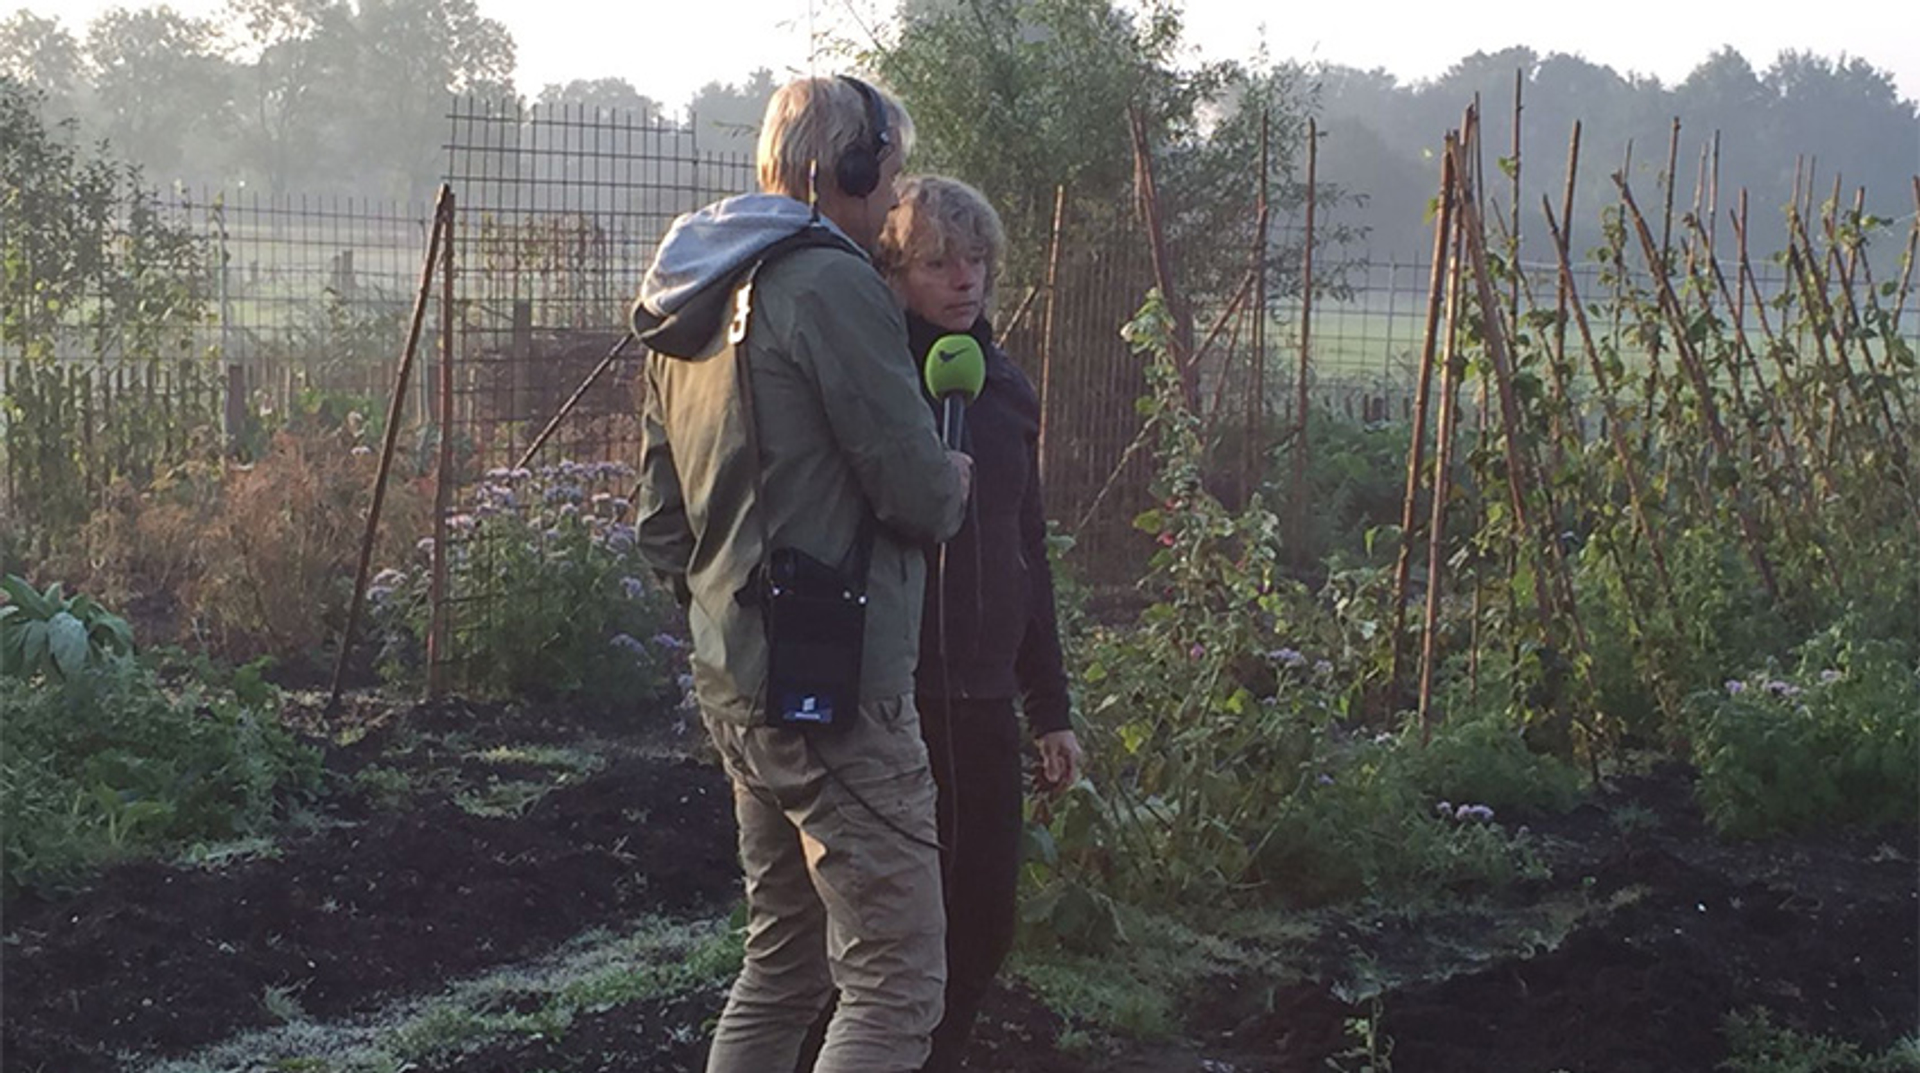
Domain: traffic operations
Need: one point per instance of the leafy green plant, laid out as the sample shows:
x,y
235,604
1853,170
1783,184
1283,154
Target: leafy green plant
x,y
91,268
1758,1044
1833,740
52,635
1225,767
115,763
550,594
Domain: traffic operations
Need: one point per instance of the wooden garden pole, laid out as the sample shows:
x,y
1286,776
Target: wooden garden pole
x,y
1442,464
1047,331
1520,471
1745,360
1785,387
1683,348
437,630
1842,270
573,400
1562,368
1254,451
1163,259
436,236
1297,507
1616,434
1906,263
1436,288
1800,256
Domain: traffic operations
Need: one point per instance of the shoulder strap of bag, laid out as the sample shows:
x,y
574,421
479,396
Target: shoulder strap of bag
x,y
854,565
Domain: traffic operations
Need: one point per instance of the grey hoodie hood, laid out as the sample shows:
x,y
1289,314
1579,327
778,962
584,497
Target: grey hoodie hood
x,y
676,309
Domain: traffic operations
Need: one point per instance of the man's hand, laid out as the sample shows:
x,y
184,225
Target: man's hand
x,y
1059,761
963,465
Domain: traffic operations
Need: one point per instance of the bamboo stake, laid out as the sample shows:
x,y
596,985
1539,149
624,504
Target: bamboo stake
x,y
1163,258
1302,447
1513,239
1906,263
1616,434
437,627
1843,269
1254,454
1436,286
1468,149
1683,347
396,402
573,400
1442,469
1215,408
1743,352
1520,471
1562,369
1813,289
1785,387
1047,331
1673,163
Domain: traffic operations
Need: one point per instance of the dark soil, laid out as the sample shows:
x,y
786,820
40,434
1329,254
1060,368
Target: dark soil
x,y
383,904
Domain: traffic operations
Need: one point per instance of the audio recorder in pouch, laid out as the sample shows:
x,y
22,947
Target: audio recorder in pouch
x,y
816,617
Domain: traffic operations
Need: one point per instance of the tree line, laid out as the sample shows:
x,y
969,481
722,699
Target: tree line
x,y
350,97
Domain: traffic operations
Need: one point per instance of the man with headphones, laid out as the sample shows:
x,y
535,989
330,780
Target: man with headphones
x,y
783,423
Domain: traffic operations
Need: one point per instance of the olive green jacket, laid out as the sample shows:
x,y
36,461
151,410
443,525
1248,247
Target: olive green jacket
x,y
842,431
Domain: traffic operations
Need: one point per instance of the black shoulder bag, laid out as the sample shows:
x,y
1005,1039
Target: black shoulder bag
x,y
815,612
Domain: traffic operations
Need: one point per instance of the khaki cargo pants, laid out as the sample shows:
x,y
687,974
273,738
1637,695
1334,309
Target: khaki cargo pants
x,y
838,898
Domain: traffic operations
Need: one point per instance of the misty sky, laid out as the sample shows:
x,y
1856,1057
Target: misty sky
x,y
669,48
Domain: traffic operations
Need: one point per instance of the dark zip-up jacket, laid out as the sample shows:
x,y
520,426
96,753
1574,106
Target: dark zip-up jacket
x,y
1002,638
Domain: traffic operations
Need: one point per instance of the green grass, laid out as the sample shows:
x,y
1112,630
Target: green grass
x,y
596,972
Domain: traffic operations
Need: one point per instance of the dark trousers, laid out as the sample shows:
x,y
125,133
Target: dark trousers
x,y
976,750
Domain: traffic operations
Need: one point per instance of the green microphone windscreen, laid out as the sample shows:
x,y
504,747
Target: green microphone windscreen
x,y
955,365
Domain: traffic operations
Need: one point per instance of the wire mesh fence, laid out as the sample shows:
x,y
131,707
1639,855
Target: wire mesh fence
x,y
279,305
192,323
559,210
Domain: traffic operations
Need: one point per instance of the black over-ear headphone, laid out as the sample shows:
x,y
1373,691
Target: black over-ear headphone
x,y
858,169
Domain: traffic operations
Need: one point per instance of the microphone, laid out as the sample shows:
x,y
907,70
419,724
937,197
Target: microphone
x,y
956,370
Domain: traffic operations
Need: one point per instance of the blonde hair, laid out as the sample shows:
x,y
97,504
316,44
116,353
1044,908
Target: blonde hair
x,y
815,120
938,217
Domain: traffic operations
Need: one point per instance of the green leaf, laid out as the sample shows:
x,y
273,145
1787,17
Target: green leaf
x,y
33,647
1038,845
21,592
67,640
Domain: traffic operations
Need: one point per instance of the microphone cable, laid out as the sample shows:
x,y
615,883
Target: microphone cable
x,y
947,721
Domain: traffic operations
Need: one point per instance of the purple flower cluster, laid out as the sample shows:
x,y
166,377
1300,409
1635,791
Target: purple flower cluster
x,y
1293,659
1464,813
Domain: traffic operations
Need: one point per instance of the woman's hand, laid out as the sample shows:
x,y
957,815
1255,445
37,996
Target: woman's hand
x,y
1059,760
